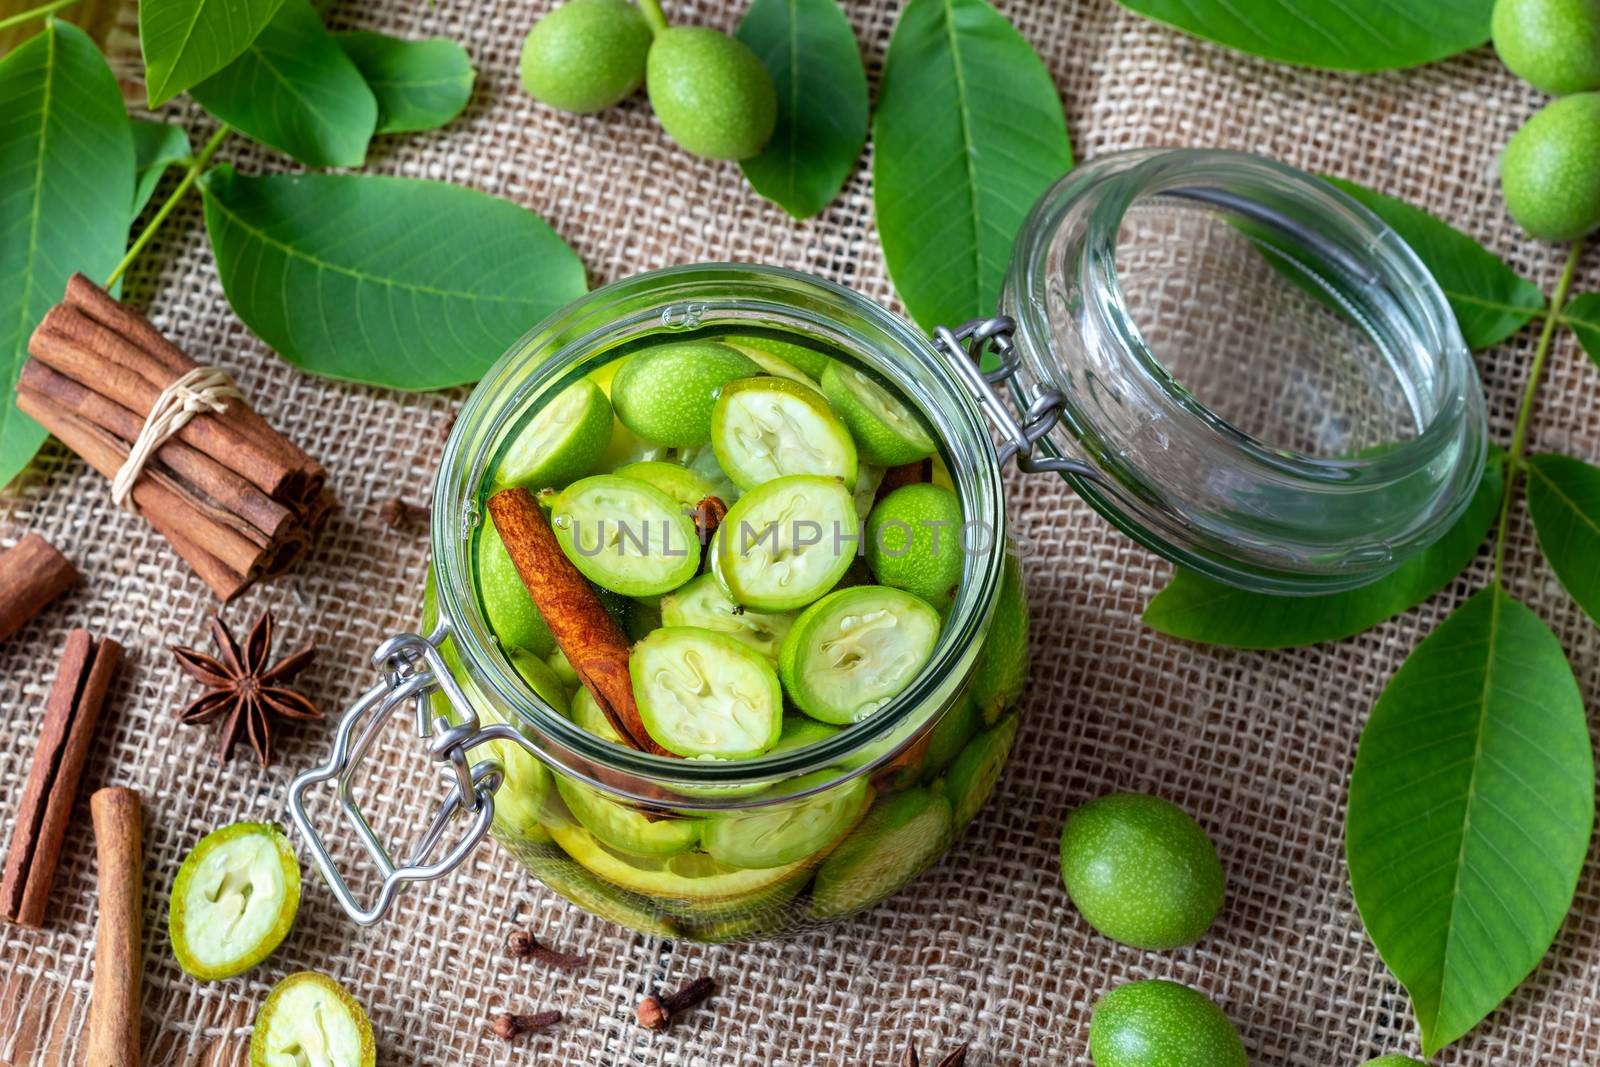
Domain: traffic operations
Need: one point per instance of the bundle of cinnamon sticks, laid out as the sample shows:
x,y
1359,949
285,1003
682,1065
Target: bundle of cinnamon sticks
x,y
234,497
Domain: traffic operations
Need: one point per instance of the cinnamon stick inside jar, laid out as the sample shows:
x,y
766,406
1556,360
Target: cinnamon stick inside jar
x,y
232,496
114,996
70,716
591,641
32,573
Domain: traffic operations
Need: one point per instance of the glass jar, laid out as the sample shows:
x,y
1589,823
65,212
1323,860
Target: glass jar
x,y
1312,419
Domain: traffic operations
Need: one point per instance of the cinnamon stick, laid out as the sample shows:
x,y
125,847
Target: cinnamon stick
x,y
591,641
235,499
270,460
70,715
114,996
225,487
159,497
32,573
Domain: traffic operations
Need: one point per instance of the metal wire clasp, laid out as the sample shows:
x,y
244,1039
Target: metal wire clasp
x,y
1031,412
413,669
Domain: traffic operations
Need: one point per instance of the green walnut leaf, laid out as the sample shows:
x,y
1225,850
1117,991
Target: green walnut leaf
x,y
1491,301
186,41
810,51
420,85
1582,313
969,133
156,146
1471,806
1347,35
1196,608
294,89
66,180
1564,500
390,281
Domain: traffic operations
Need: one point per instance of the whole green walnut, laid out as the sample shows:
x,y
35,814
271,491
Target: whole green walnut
x,y
1553,45
1161,1024
1394,1059
1550,173
586,55
1141,871
711,93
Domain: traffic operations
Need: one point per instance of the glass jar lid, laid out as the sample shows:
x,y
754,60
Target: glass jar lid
x,y
1254,375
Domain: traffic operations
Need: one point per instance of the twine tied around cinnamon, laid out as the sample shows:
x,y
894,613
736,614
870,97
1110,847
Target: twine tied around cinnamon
x,y
203,389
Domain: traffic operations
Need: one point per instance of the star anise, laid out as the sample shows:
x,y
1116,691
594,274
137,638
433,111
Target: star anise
x,y
242,689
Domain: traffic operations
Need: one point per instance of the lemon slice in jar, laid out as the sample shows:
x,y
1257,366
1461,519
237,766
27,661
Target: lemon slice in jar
x,y
686,876
309,1019
234,900
785,543
578,885
765,428
854,650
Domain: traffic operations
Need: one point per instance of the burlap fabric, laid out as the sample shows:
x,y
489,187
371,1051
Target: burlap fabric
x,y
984,948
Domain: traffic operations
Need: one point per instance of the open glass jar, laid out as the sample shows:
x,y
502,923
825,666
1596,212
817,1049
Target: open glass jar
x,y
1238,365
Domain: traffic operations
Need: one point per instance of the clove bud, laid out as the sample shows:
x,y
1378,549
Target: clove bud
x,y
657,1012
508,1026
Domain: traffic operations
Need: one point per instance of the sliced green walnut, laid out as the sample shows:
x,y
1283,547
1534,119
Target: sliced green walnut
x,y
666,394
855,650
310,1020
234,900
701,693
772,364
787,832
800,731
620,826
542,679
704,603
683,876
887,431
702,460
785,543
898,839
586,714
811,361
625,536
683,485
563,441
765,428
972,776
510,611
